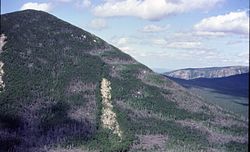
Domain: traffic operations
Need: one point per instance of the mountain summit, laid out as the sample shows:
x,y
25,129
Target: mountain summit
x,y
64,89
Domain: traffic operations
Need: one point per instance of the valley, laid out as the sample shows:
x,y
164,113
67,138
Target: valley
x,y
238,105
230,92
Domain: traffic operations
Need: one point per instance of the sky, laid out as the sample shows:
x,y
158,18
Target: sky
x,y
162,34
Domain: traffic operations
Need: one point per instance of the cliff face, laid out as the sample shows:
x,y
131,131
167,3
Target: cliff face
x,y
214,72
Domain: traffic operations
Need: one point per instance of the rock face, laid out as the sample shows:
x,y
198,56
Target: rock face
x,y
213,72
66,89
2,43
108,117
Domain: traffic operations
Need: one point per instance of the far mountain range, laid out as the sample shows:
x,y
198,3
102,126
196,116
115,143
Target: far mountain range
x,y
210,72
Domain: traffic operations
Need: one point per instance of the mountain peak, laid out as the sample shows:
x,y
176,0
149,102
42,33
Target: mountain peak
x,y
65,87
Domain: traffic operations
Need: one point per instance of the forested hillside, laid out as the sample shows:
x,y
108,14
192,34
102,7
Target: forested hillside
x,y
64,89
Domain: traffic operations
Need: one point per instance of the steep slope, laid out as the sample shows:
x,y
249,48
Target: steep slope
x,y
236,85
67,90
213,72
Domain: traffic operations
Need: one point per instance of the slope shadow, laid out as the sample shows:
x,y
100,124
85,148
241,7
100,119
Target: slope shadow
x,y
56,128
237,85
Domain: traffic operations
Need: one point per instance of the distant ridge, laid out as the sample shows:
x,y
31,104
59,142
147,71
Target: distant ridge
x,y
210,72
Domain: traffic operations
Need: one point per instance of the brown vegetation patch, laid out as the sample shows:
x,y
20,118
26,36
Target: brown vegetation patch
x,y
229,121
150,142
77,86
85,112
117,61
99,51
115,71
212,135
69,149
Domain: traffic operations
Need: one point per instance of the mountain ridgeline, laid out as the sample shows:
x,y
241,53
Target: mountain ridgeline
x,y
64,89
212,72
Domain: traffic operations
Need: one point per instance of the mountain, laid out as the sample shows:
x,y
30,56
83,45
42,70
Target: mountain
x,y
212,72
236,85
65,89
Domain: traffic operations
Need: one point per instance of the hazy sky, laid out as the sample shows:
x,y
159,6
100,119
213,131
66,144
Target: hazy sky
x,y
166,34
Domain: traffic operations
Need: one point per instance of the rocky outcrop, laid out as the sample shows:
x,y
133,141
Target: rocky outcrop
x,y
2,43
108,116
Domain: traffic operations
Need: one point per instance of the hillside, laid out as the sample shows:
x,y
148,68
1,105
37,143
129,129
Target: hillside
x,y
212,72
64,89
236,85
